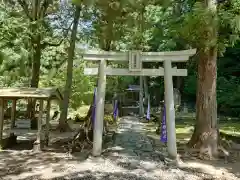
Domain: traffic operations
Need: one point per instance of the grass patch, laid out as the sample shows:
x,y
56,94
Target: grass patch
x,y
184,134
232,128
185,126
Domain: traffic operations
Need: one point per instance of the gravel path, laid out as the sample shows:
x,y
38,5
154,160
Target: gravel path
x,y
132,155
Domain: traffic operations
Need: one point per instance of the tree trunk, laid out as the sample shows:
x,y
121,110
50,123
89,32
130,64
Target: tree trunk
x,y
36,12
36,64
36,57
106,45
206,131
68,85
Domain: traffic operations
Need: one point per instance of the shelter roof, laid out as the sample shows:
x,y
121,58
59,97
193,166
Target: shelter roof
x,y
25,92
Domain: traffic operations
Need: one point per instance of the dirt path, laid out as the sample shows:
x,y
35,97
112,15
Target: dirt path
x,y
132,155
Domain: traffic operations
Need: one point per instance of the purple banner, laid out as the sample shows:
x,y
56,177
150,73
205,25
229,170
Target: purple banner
x,y
164,127
115,110
94,105
148,109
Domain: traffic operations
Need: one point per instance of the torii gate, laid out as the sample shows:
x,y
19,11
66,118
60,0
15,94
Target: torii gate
x,y
135,59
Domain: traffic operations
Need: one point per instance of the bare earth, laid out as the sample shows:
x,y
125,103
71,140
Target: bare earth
x,y
132,155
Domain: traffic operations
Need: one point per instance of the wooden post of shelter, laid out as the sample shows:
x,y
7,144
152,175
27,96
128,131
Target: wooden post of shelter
x,y
47,122
38,143
135,59
13,112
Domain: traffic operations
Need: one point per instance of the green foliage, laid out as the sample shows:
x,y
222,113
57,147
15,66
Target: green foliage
x,y
229,96
118,84
190,86
109,119
82,86
83,2
197,29
122,25
13,51
228,82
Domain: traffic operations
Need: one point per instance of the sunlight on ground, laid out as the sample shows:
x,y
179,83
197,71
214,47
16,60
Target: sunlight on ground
x,y
184,130
184,134
52,165
203,167
230,128
82,111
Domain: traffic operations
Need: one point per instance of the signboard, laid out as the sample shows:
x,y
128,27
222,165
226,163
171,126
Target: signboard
x,y
135,63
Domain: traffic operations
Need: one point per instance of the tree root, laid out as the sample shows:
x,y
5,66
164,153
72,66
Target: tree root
x,y
235,139
64,127
80,141
84,137
227,150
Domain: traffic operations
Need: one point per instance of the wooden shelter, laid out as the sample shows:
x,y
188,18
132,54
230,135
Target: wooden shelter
x,y
130,100
38,94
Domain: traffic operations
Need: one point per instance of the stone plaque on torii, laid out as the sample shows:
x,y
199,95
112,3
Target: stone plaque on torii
x,y
135,60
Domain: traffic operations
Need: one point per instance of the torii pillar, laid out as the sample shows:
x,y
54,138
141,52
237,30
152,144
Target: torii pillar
x,y
99,117
170,111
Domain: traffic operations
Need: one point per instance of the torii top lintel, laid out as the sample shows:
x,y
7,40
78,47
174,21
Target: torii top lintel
x,y
174,56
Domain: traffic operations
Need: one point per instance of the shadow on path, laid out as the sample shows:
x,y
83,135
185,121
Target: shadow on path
x,y
88,175
132,149
131,155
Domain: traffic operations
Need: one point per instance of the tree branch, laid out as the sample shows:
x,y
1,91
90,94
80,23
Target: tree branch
x,y
24,6
44,44
44,7
52,44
